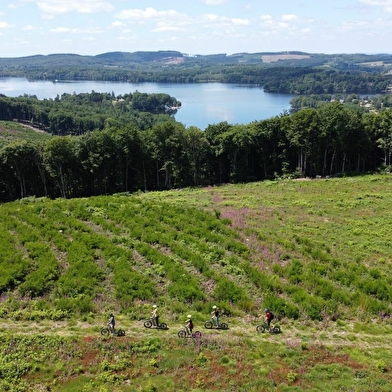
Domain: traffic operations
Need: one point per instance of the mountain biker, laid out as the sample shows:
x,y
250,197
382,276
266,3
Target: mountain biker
x,y
154,315
215,315
111,323
189,324
268,316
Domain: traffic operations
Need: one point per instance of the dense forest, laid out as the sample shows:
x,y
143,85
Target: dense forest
x,y
113,147
79,113
288,72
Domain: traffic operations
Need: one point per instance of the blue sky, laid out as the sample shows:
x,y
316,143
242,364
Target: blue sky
x,y
91,27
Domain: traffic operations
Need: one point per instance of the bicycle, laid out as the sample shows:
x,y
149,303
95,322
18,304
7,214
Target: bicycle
x,y
210,324
183,333
150,324
105,331
262,328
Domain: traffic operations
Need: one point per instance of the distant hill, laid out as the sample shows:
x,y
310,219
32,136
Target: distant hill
x,y
290,72
165,57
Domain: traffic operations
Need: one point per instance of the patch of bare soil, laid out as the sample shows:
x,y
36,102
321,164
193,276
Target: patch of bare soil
x,y
276,57
174,60
31,127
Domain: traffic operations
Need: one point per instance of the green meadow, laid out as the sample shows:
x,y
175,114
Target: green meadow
x,y
318,253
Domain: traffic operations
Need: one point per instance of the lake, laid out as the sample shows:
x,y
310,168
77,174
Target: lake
x,y
202,103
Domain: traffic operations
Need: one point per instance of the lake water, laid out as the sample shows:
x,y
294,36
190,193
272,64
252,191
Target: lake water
x,y
202,104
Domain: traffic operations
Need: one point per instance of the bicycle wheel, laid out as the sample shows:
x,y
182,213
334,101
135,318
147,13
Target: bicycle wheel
x,y
181,334
105,331
276,329
163,326
260,328
196,335
223,326
208,324
148,323
120,332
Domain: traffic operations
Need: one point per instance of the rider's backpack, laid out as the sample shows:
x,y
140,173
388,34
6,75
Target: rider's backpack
x,y
271,316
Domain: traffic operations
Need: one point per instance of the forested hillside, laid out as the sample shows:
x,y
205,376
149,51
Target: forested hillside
x,y
284,72
115,145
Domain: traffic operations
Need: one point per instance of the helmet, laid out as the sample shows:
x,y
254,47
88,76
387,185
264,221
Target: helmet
x,y
189,316
154,306
111,315
266,310
214,307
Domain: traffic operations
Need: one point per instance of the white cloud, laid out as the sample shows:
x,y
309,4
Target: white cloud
x,y
213,2
117,23
162,27
28,27
4,25
56,7
60,30
47,16
126,39
148,13
366,27
217,21
240,22
385,4
289,17
76,31
212,17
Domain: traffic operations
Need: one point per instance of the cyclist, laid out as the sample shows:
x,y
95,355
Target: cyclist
x,y
215,315
154,315
268,317
111,323
189,324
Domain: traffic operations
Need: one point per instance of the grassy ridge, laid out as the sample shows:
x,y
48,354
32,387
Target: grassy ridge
x,y
317,252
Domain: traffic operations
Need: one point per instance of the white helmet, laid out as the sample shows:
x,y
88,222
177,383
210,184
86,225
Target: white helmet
x,y
189,316
154,306
214,307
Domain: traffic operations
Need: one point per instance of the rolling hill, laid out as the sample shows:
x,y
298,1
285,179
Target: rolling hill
x,y
317,252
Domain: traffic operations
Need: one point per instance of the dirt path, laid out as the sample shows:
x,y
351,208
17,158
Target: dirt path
x,y
31,127
290,336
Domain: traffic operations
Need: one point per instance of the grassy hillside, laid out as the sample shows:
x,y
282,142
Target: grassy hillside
x,y
316,252
13,131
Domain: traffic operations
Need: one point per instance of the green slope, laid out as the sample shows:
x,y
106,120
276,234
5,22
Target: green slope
x,y
13,131
317,252
308,249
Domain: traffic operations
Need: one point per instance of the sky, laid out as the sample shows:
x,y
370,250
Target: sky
x,y
91,27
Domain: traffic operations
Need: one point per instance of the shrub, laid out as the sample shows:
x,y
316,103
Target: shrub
x,y
227,290
381,366
149,387
280,307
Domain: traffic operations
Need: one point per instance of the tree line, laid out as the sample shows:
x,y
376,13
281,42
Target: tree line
x,y
326,141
